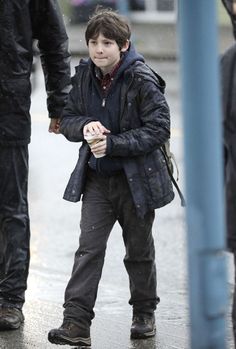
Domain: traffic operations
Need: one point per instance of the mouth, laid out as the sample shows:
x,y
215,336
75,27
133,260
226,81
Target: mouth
x,y
100,58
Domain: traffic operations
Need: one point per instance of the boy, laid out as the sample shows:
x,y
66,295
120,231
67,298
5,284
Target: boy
x,y
123,177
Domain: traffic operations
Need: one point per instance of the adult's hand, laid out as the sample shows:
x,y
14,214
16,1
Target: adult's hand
x,y
54,126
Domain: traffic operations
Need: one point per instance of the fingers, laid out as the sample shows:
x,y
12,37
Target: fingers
x,y
95,127
99,149
54,126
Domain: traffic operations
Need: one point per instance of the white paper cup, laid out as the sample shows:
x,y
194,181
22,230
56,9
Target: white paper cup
x,y
93,139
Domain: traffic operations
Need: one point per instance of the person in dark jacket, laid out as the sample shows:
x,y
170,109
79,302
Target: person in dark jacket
x,y
122,175
228,81
22,22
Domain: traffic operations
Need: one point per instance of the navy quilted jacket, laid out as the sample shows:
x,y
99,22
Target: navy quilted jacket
x,y
144,128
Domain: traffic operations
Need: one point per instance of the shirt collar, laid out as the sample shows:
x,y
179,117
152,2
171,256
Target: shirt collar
x,y
100,76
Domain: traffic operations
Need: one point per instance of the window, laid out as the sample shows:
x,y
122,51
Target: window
x,y
137,5
153,10
165,5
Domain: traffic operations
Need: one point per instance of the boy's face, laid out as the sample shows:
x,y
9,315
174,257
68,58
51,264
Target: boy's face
x,y
105,53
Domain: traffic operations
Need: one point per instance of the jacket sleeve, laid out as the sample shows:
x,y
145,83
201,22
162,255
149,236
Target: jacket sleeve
x,y
49,30
74,115
154,129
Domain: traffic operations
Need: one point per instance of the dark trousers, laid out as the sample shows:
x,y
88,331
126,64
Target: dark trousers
x,y
105,201
14,225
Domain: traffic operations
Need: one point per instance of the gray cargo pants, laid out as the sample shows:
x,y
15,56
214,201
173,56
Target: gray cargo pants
x,y
105,201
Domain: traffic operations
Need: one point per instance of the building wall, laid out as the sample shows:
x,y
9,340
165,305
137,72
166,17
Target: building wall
x,y
154,33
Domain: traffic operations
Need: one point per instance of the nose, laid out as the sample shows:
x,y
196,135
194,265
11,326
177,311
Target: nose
x,y
99,48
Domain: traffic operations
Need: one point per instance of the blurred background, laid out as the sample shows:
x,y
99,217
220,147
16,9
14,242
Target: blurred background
x,y
153,23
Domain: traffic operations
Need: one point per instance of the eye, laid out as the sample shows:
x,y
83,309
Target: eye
x,y
108,43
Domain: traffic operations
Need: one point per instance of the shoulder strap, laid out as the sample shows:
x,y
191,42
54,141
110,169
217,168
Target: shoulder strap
x,y
169,166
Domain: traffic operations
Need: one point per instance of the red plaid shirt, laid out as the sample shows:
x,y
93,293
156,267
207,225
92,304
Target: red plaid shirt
x,y
106,80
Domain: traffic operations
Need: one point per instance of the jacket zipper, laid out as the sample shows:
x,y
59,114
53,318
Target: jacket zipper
x,y
103,102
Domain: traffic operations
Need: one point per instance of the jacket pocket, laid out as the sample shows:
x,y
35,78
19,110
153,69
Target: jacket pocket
x,y
15,96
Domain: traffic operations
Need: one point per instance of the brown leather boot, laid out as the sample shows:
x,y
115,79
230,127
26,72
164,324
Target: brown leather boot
x,y
71,334
10,318
143,326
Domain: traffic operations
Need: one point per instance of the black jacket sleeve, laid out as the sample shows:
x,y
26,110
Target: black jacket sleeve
x,y
154,131
49,30
74,115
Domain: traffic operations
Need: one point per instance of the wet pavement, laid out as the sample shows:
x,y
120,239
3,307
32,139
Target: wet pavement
x,y
55,232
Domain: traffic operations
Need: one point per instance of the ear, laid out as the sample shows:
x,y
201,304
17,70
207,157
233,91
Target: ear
x,y
125,47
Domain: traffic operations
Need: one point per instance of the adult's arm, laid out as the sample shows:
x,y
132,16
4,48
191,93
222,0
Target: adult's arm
x,y
49,30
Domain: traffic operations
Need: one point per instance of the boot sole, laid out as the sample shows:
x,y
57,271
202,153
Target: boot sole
x,y
79,341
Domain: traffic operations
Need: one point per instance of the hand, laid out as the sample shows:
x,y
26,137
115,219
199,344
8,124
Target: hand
x,y
99,148
54,126
95,127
